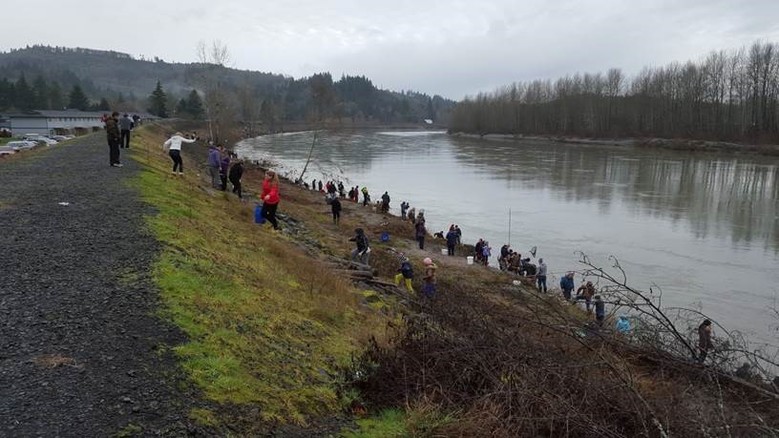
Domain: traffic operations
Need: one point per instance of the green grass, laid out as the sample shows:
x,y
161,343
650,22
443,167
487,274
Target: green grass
x,y
266,326
390,423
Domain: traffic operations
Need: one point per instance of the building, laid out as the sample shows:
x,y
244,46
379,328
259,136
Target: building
x,y
47,122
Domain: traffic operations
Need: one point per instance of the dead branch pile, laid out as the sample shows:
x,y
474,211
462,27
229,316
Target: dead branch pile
x,y
540,369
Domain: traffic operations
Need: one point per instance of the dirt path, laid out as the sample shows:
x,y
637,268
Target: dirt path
x,y
81,352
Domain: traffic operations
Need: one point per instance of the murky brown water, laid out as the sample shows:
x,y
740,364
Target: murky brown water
x,y
703,228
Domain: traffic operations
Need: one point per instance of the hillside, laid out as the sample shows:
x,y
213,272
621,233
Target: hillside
x,y
125,83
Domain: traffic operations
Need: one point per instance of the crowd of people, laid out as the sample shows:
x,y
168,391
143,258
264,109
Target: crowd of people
x,y
224,166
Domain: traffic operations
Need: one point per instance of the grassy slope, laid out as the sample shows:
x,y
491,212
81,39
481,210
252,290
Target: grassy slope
x,y
268,327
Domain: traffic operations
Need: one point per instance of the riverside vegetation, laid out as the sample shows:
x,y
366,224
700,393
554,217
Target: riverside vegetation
x,y
277,338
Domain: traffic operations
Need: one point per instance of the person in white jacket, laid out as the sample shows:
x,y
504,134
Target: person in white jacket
x,y
173,145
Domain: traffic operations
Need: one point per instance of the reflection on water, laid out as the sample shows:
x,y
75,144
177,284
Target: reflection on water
x,y
733,197
704,228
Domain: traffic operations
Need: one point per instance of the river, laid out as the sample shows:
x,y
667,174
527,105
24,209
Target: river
x,y
703,228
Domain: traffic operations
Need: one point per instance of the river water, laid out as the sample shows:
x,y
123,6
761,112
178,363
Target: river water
x,y
704,228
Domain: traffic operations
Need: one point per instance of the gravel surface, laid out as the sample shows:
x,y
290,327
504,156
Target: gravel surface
x,y
81,352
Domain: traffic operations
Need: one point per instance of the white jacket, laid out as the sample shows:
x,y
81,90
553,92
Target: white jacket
x,y
174,143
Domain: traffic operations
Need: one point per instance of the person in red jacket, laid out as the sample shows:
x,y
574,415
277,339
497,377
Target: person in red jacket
x,y
270,197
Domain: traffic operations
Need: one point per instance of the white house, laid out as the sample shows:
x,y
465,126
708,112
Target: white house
x,y
47,122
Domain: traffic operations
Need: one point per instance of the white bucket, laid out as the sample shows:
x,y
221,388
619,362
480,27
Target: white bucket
x,y
469,260
444,251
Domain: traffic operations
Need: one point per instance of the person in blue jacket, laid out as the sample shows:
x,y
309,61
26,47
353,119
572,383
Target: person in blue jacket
x,y
451,240
214,162
566,284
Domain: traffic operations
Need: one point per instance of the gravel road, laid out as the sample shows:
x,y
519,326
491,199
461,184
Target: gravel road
x,y
81,352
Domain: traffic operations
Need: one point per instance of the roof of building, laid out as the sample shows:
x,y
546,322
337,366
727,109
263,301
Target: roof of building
x,y
46,114
40,114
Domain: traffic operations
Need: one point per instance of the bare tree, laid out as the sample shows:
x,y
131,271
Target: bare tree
x,y
214,58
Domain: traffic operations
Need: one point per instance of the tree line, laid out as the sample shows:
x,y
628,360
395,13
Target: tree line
x,y
260,101
728,95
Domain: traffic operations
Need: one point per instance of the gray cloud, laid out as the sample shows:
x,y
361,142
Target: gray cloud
x,y
451,48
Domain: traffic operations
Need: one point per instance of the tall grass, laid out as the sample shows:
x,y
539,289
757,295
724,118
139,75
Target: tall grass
x,y
268,326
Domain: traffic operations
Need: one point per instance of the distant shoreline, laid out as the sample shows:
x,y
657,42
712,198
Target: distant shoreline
x,y
655,143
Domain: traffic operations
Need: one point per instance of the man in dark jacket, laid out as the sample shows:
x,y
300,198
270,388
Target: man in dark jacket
x,y
114,138
335,206
566,284
451,240
125,125
362,252
235,177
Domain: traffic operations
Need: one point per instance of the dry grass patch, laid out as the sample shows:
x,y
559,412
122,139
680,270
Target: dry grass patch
x,y
54,361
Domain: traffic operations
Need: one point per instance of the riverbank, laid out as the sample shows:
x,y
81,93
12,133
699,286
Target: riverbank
x,y
656,143
473,354
275,337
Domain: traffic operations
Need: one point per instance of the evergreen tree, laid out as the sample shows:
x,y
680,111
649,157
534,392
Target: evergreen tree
x,y
158,104
104,105
181,108
40,91
23,97
78,99
6,94
195,105
55,97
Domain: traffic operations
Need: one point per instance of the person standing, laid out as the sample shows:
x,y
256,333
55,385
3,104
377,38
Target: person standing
x,y
362,253
486,253
214,162
600,310
567,286
224,166
586,292
704,340
403,210
366,197
173,144
459,234
125,125
541,276
114,139
385,202
270,197
236,172
451,240
419,233
429,288
335,207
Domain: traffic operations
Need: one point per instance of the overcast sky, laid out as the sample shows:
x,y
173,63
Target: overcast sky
x,y
452,48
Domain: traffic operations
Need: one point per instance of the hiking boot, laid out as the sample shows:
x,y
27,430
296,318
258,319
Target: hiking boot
x,y
181,173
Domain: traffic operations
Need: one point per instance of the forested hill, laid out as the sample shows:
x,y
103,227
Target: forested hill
x,y
42,77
